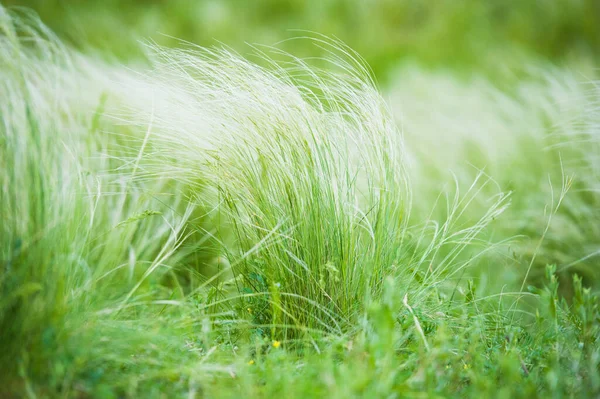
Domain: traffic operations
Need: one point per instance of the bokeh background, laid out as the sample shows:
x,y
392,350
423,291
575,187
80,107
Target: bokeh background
x,y
465,35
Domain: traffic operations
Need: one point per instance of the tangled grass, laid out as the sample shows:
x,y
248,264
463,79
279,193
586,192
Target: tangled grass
x,y
205,226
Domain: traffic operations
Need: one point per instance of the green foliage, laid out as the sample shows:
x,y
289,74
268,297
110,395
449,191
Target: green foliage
x,y
207,227
483,35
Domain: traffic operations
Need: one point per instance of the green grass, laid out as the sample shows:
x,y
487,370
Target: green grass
x,y
535,139
206,226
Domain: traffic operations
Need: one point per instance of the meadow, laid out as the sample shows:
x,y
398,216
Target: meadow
x,y
357,212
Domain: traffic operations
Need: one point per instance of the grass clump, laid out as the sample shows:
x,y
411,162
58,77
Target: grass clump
x,y
312,187
535,139
76,266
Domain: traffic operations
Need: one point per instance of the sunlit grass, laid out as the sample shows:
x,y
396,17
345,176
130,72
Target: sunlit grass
x,y
205,226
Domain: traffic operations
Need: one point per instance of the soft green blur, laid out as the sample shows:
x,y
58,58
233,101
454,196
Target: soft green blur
x,y
461,34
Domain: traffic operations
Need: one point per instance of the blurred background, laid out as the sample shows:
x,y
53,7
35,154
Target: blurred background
x,y
489,37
